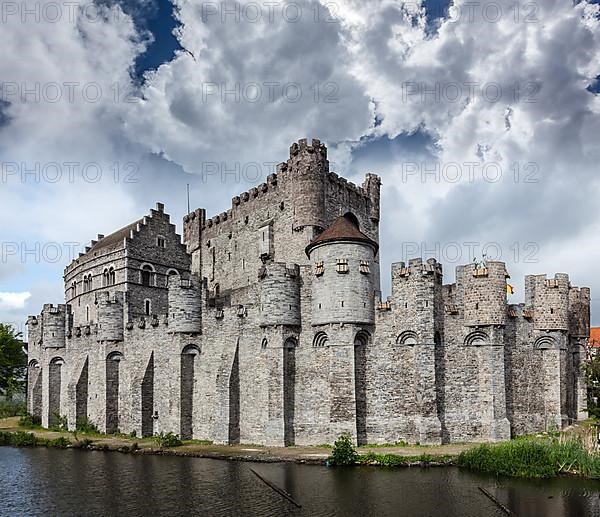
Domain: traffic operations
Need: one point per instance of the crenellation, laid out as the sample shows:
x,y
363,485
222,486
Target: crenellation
x,y
266,325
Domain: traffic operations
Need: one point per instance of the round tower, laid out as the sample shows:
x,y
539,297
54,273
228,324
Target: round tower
x,y
110,316
306,170
343,287
549,298
53,325
185,306
484,293
279,294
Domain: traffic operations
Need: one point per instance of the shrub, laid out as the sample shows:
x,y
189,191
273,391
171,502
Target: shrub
x,y
30,421
22,439
10,408
60,442
61,424
84,425
134,447
343,452
164,440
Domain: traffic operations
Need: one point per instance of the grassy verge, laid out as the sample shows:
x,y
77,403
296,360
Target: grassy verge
x,y
395,460
534,457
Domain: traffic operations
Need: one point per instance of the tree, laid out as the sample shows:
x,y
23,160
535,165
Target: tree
x,y
592,370
13,361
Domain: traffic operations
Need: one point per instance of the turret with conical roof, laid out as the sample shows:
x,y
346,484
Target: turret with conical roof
x,y
342,258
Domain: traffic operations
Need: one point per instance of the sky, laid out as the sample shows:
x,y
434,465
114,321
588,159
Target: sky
x,y
481,117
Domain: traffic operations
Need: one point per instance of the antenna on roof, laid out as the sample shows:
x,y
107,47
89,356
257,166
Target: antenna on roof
x,y
188,198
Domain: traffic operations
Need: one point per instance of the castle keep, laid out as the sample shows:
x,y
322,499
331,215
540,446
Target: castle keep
x,y
267,326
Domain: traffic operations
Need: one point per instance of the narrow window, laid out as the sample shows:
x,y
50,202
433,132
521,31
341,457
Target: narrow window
x,y
161,242
87,313
111,276
147,307
147,276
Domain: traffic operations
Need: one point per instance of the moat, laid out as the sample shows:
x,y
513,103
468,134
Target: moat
x,y
54,482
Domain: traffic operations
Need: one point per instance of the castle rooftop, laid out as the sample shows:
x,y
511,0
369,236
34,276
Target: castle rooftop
x,y
343,229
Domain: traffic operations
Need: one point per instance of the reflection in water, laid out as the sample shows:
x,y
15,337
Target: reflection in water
x,y
51,482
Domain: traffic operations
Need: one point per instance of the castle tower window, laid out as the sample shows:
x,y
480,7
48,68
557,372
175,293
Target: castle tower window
x,y
319,268
105,278
342,265
147,276
147,307
74,288
85,284
111,276
365,268
87,313
161,242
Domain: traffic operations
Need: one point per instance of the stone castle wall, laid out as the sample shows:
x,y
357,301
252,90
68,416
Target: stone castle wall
x,y
251,340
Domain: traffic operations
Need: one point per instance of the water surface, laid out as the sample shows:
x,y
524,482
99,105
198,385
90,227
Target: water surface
x,y
54,482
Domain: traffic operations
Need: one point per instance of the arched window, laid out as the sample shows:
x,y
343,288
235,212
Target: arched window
x,y
264,344
320,339
105,278
147,275
172,276
90,282
74,288
111,276
407,338
85,284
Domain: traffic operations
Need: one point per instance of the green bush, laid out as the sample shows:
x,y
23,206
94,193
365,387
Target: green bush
x,y
22,439
534,458
10,408
165,440
343,452
60,442
86,426
61,423
30,421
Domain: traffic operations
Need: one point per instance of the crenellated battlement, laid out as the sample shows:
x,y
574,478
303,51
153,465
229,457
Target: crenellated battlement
x,y
269,327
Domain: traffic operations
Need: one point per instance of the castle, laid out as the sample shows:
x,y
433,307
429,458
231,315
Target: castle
x,y
267,326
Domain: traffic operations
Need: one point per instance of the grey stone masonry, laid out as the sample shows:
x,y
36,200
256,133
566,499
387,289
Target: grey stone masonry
x,y
266,325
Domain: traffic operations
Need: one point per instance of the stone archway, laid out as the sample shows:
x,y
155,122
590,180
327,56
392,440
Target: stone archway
x,y
289,391
189,358
148,399
113,365
81,396
360,385
34,397
54,389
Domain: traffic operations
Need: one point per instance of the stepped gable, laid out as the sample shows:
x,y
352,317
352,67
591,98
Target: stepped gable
x,y
341,230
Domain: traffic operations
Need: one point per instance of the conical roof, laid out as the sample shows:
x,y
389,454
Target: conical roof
x,y
341,230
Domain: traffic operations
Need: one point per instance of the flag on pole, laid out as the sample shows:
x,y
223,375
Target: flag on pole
x,y
510,289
